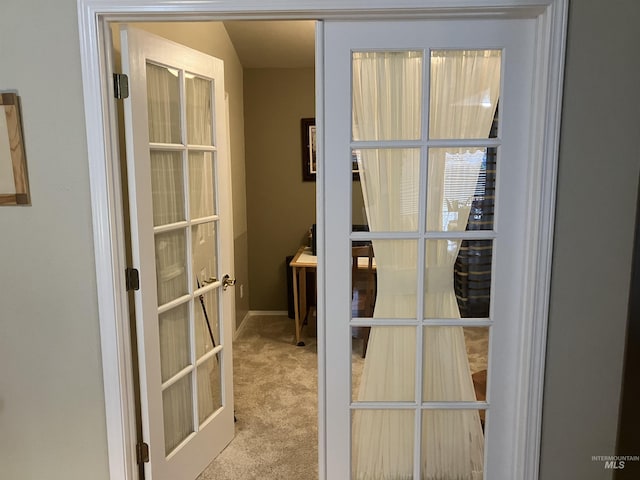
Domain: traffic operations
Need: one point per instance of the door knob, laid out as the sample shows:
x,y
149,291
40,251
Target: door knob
x,y
227,281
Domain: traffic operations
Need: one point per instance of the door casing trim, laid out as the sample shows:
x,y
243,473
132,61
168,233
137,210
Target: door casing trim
x,y
94,17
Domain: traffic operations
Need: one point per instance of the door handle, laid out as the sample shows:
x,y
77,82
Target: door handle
x,y
227,281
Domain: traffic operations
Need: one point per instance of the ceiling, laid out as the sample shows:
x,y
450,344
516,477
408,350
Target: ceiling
x,y
273,44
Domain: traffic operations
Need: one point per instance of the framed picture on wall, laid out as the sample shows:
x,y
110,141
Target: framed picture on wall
x,y
309,163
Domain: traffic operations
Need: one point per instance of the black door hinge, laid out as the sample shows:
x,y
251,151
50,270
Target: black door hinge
x,y
120,86
132,277
142,453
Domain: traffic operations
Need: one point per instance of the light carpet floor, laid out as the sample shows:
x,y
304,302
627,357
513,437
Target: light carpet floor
x,y
275,391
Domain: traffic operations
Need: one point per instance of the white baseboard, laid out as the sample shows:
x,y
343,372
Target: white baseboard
x,y
242,326
255,313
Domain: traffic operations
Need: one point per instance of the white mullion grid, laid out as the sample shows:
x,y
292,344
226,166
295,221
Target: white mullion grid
x,y
496,214
162,147
422,227
464,142
379,144
383,236
170,227
419,407
201,148
496,227
180,445
208,355
216,190
189,246
416,406
431,322
464,235
214,140
165,307
454,406
384,322
433,143
178,376
202,220
457,322
206,288
178,147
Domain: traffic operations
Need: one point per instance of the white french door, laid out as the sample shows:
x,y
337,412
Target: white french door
x,y
180,205
435,116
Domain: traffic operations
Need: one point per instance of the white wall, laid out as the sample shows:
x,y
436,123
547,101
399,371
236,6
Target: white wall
x,y
51,400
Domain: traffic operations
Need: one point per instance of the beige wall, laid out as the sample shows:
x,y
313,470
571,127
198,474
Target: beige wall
x,y
212,39
52,414
597,192
280,206
52,417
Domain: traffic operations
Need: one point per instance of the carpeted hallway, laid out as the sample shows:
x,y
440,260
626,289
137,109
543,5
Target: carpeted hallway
x,y
275,386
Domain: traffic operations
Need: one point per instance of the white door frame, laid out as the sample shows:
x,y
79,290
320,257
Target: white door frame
x,y
107,209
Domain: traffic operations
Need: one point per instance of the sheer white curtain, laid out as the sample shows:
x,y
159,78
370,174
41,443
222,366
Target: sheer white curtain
x,y
386,102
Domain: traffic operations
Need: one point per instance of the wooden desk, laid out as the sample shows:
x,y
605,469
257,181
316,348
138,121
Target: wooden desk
x,y
302,261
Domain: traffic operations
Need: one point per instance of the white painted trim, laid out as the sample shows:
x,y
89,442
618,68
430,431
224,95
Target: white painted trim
x,y
107,213
107,209
321,195
552,28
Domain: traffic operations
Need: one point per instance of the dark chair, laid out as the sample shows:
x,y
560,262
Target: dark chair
x,y
363,298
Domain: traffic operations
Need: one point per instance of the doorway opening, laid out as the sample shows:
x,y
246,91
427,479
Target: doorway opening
x,y
271,111
270,91
118,424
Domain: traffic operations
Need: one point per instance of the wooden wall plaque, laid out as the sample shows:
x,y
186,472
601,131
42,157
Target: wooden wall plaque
x,y
14,182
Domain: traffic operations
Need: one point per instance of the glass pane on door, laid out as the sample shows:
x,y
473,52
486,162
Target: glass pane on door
x,y
396,278
392,206
455,364
171,265
177,402
163,102
167,187
388,448
462,192
202,194
464,92
204,251
199,110
450,450
390,378
392,83
472,278
175,341
207,318
209,388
